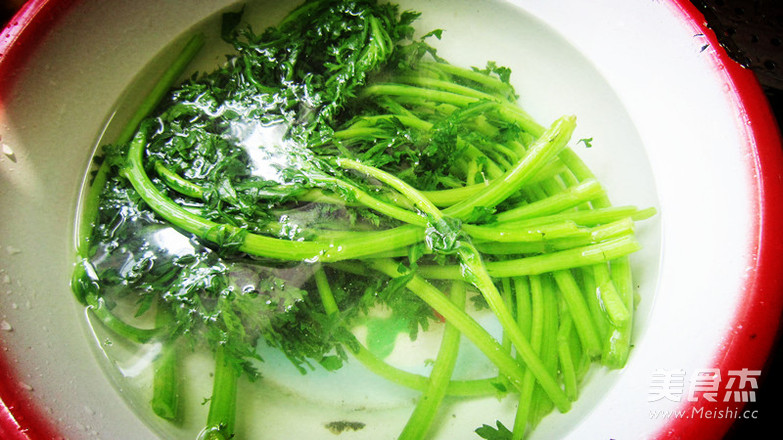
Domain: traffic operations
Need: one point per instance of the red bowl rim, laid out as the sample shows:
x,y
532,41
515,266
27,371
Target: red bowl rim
x,y
754,329
21,417
755,323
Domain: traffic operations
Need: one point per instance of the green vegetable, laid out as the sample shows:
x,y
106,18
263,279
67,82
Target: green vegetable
x,y
490,433
424,414
333,165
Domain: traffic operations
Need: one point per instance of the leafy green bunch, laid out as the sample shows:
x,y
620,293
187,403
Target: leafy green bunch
x,y
335,165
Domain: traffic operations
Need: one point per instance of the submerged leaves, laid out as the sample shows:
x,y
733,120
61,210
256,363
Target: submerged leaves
x,y
240,146
242,207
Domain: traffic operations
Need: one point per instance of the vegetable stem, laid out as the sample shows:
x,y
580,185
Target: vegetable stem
x,y
98,307
528,384
474,271
578,311
221,418
619,346
165,379
167,79
420,421
544,149
549,262
253,243
464,388
473,331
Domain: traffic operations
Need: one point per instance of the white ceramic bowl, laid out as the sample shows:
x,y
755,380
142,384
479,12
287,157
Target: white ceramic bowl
x,y
676,125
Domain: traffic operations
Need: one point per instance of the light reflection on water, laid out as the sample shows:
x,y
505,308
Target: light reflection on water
x,y
268,149
173,242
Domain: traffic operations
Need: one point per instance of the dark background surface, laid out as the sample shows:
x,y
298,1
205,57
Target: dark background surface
x,y
751,31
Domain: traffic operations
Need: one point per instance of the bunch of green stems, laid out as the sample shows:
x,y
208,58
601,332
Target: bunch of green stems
x,y
553,265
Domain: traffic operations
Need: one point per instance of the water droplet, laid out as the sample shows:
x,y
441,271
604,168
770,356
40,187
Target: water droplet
x,y
8,152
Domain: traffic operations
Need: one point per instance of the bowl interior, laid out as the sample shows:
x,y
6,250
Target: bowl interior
x,y
62,110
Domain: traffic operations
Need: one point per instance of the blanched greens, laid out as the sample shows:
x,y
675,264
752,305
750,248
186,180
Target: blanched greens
x,y
333,165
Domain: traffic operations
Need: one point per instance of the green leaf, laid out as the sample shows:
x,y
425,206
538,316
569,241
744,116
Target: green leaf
x,y
588,142
490,433
229,23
